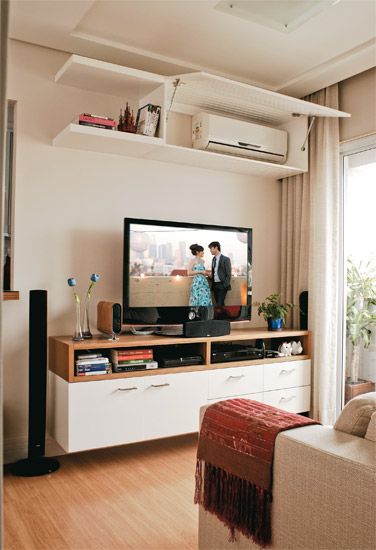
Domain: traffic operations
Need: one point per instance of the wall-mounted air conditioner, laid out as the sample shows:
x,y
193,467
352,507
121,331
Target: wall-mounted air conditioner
x,y
236,137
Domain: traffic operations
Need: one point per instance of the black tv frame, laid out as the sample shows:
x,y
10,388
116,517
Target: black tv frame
x,y
176,315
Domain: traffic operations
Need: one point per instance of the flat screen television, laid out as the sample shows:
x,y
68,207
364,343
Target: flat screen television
x,y
160,284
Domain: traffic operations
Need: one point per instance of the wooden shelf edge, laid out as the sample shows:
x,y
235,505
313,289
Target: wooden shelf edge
x,y
11,295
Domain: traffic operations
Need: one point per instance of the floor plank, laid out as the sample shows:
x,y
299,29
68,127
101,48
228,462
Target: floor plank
x,y
137,497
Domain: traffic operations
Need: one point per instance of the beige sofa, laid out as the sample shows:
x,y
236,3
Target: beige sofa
x,y
324,495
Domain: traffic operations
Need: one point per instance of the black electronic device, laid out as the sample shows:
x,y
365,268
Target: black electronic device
x,y
221,353
148,365
156,285
183,361
177,356
198,329
270,353
36,463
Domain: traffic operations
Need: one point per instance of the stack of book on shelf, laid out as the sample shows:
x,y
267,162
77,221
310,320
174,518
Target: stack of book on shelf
x,y
125,360
98,121
88,364
147,119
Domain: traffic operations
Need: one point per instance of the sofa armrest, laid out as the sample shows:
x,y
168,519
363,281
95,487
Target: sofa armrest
x,y
323,495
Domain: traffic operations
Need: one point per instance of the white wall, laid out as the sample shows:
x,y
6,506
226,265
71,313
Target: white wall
x,y
70,205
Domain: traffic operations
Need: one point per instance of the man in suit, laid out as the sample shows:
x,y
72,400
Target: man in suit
x,y
221,273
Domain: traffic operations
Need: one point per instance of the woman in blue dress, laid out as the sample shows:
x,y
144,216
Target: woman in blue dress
x,y
200,294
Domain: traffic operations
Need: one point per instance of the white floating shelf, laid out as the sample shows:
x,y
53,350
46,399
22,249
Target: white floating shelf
x,y
108,78
88,138
76,136
206,92
221,163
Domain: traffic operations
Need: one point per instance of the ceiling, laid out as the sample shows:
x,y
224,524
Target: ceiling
x,y
178,36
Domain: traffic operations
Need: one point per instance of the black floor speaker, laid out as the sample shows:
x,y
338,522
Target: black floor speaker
x,y
197,329
36,464
303,305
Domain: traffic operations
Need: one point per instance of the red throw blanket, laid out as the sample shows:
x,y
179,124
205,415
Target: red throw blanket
x,y
235,463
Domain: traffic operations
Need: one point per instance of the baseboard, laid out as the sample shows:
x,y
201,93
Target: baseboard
x,y
15,448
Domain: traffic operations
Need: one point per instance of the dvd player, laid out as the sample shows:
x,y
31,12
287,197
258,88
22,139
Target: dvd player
x,y
222,353
183,361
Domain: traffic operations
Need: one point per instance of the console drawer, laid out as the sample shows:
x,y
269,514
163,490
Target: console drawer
x,y
287,374
291,399
235,381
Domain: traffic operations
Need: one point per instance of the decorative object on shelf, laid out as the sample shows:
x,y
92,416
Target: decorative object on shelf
x,y
98,121
285,349
274,311
147,119
296,348
77,336
360,319
86,332
126,121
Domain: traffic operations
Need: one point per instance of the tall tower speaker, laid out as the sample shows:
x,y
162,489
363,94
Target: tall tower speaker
x,y
36,464
303,305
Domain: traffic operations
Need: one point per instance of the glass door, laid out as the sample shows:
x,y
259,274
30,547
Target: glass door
x,y
358,369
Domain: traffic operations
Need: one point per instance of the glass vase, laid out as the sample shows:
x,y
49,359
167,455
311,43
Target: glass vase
x,y
86,332
77,337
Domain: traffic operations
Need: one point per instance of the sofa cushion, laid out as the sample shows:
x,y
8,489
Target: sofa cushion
x,y
371,430
355,416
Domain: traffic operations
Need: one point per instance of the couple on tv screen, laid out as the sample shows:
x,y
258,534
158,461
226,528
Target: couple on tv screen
x,y
218,279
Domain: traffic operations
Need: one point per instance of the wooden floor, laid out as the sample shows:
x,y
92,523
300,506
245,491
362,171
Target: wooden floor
x,y
136,496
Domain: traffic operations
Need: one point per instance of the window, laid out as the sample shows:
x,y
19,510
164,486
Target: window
x,y
359,257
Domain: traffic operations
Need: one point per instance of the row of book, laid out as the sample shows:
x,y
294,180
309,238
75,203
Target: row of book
x,y
88,364
97,121
122,360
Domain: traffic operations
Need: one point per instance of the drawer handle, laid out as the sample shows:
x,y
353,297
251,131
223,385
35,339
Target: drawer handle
x,y
285,371
236,377
128,389
159,385
286,399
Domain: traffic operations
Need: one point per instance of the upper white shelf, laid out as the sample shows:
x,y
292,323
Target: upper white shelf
x,y
107,78
206,92
196,91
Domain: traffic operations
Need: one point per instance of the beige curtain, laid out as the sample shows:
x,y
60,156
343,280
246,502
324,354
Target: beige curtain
x,y
3,59
310,251
295,239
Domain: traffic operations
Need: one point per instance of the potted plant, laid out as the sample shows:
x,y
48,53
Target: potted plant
x,y
274,311
360,319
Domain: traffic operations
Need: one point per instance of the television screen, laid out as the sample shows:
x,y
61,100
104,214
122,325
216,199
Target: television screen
x,y
175,272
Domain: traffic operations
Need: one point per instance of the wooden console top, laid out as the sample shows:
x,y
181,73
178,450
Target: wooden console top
x,y
62,351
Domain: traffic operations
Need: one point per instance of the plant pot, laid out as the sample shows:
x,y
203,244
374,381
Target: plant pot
x,y
352,389
275,324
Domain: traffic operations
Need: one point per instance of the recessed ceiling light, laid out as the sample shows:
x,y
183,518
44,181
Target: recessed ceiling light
x,y
282,15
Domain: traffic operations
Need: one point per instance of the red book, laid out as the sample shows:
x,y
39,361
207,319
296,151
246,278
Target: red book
x,y
133,351
97,120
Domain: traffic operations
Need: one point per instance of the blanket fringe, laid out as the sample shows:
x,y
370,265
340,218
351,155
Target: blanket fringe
x,y
236,502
